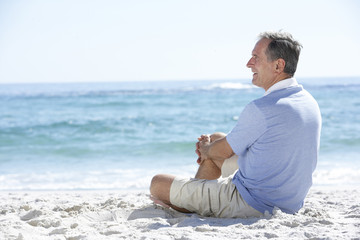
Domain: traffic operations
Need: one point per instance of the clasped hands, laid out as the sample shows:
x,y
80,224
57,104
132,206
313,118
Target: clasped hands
x,y
202,147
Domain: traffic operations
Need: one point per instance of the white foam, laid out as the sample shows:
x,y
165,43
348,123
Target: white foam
x,y
343,176
120,179
140,178
230,85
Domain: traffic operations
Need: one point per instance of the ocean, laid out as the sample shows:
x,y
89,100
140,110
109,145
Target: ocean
x,y
116,136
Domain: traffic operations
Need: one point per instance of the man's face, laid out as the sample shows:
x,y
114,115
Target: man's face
x,y
263,70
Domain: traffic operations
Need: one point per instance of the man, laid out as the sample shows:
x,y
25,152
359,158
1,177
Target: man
x,y
276,141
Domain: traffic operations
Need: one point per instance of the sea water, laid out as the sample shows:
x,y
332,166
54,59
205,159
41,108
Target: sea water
x,y
118,135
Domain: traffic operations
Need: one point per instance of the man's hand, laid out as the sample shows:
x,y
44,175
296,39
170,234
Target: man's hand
x,y
213,147
202,147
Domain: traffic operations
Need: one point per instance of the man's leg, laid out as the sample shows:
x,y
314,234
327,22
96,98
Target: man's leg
x,y
161,183
208,170
160,191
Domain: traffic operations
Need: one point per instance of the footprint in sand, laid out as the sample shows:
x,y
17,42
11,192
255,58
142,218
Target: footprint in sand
x,y
30,215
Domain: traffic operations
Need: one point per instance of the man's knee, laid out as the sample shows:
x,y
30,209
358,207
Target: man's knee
x,y
216,136
155,184
160,186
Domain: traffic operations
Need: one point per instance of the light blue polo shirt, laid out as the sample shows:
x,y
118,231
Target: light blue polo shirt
x,y
277,140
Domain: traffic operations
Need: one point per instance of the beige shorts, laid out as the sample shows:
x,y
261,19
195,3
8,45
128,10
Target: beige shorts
x,y
229,166
213,198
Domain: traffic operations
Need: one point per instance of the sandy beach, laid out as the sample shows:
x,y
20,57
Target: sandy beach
x,y
328,213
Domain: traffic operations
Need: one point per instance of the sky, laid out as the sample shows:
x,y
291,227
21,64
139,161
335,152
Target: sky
x,y
144,40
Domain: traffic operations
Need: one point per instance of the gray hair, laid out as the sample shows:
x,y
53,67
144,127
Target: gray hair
x,y
284,46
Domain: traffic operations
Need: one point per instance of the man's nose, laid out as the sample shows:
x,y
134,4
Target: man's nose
x,y
249,63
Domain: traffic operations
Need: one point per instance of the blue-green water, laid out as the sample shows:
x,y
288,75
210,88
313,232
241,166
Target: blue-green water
x,y
118,135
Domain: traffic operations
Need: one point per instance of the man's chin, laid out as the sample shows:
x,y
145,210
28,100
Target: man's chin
x,y
255,82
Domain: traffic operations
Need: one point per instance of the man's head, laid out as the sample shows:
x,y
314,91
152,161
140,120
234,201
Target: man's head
x,y
274,58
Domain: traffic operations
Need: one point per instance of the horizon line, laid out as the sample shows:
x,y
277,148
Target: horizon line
x,y
160,80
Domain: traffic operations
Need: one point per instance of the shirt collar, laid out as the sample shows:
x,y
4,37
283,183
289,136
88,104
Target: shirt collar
x,y
289,82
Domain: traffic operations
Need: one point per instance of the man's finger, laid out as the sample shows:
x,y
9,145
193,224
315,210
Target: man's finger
x,y
197,152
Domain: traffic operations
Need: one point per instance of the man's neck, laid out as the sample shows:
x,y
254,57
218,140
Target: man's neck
x,y
279,78
289,82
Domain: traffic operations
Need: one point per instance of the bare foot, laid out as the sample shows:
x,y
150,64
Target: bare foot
x,y
159,202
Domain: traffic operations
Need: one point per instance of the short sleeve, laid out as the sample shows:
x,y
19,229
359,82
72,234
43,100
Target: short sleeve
x,y
250,126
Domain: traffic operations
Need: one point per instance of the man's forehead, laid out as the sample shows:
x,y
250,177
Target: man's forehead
x,y
261,45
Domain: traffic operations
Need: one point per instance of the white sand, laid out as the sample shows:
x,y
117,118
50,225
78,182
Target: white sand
x,y
327,214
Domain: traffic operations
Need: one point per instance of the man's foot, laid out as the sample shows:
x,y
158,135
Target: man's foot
x,y
159,202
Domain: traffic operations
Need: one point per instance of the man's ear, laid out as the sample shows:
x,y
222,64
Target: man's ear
x,y
279,65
